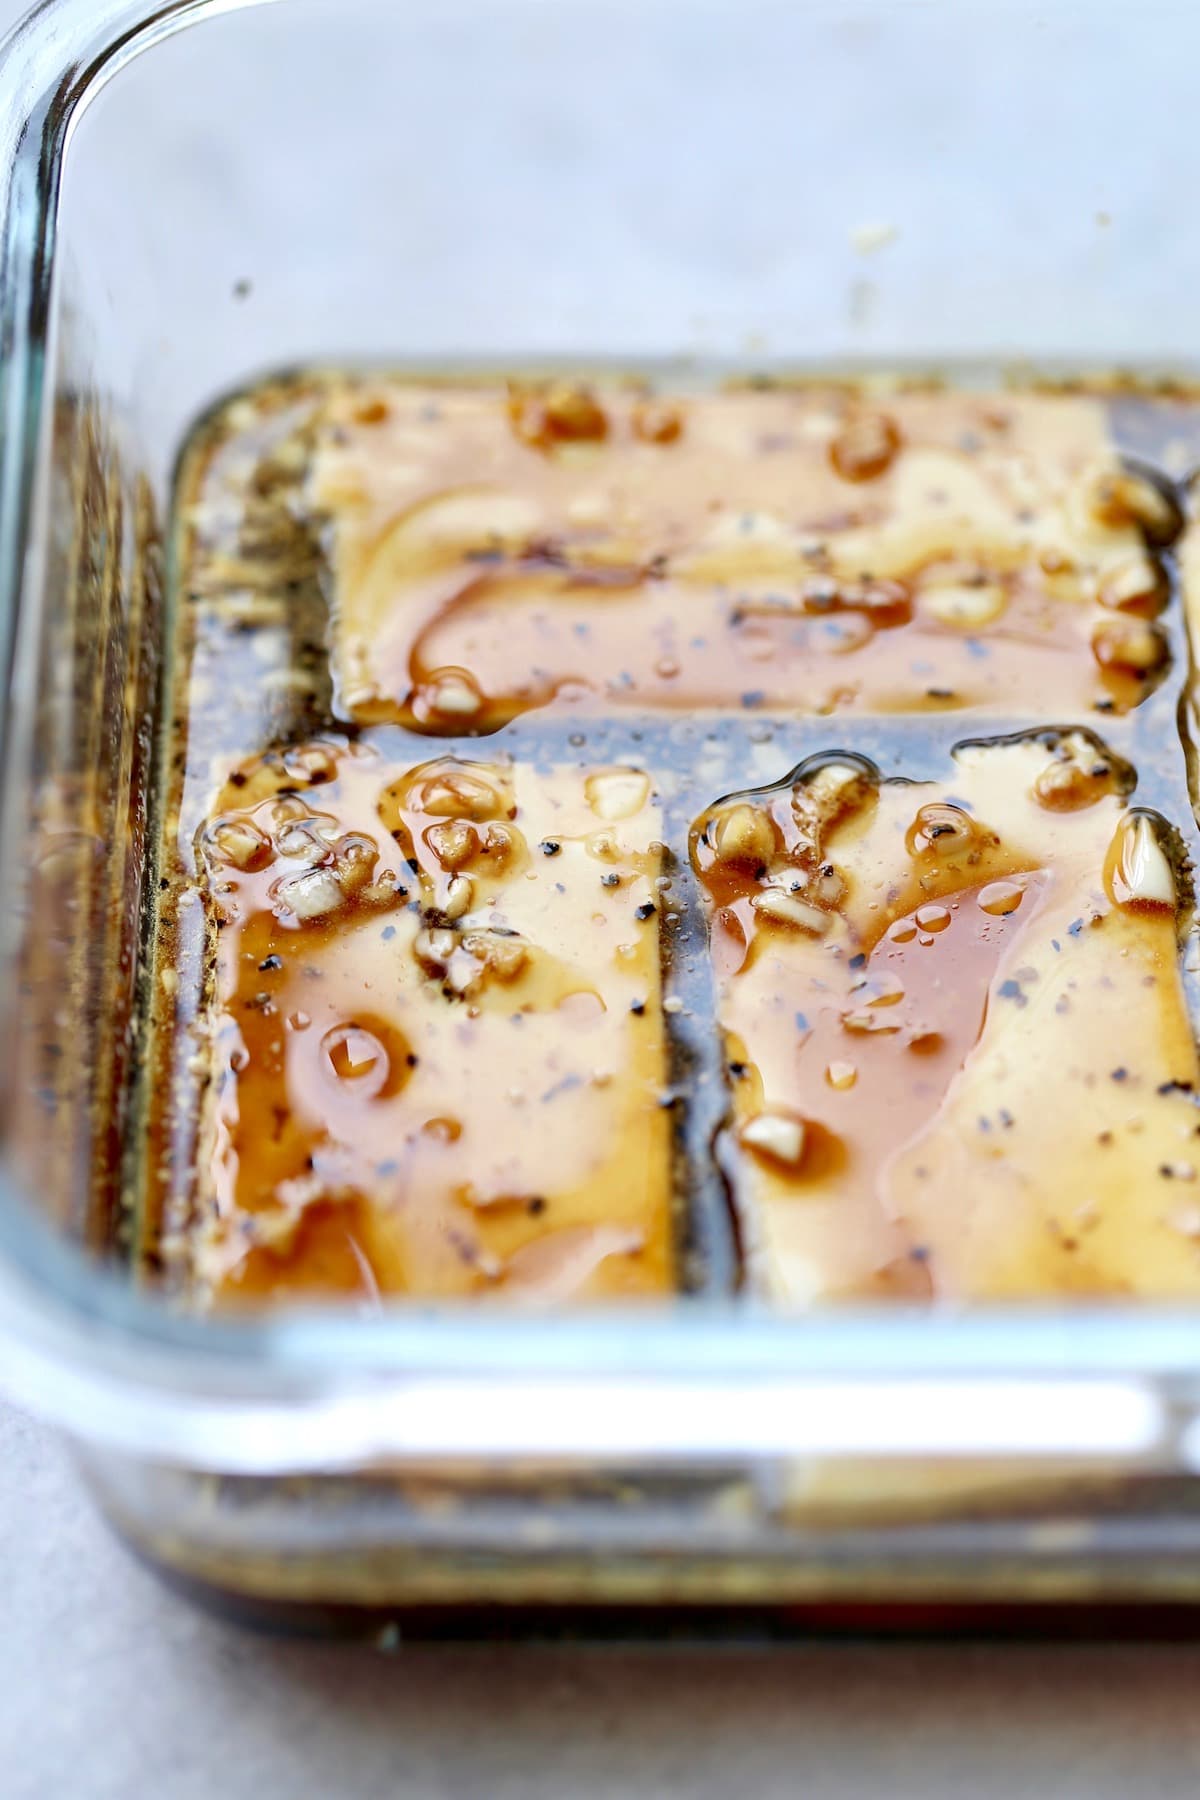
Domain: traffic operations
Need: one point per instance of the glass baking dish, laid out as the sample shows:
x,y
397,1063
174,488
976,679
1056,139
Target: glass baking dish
x,y
203,192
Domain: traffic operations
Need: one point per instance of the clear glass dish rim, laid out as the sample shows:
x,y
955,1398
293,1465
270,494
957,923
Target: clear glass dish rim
x,y
116,1366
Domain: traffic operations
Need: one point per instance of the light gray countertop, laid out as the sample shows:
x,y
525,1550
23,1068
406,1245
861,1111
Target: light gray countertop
x,y
112,1688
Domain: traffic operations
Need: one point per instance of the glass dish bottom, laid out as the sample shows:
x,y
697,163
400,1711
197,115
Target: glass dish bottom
x,y
353,1554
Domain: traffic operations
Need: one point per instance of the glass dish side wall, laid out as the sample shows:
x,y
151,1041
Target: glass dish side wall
x,y
755,187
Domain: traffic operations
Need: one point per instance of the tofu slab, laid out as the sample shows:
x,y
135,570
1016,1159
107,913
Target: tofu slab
x,y
496,549
961,1060
437,1033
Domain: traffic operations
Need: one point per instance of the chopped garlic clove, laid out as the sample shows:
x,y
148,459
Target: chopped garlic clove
x,y
865,447
1119,498
504,957
434,948
617,793
1138,873
1135,585
455,697
790,909
777,1135
454,843
1128,642
239,843
743,834
310,895
460,894
964,607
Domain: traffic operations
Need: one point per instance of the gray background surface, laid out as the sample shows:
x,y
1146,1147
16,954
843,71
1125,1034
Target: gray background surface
x,y
111,1687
